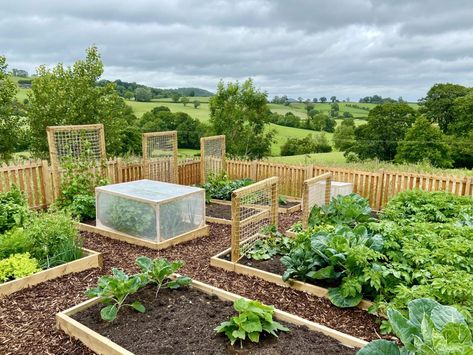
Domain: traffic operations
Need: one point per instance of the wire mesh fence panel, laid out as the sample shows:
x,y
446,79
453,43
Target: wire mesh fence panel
x,y
212,155
316,192
74,142
160,156
254,208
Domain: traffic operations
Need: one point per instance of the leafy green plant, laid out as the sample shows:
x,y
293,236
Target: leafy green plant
x,y
128,216
114,290
54,237
158,271
17,266
15,241
220,187
282,200
423,206
13,209
275,243
297,227
349,210
430,329
81,176
254,318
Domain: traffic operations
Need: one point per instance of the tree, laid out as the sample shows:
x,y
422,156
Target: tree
x,y
387,125
462,150
70,96
128,95
462,124
438,105
306,145
344,137
143,94
175,97
323,99
334,110
240,112
315,100
184,100
300,99
333,99
9,122
424,142
196,103
347,114
189,130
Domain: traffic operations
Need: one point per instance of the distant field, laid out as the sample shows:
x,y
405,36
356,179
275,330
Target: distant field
x,y
282,133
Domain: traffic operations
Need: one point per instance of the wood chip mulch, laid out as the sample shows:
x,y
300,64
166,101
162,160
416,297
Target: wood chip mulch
x,y
27,317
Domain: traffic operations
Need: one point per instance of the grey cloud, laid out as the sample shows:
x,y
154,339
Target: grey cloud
x,y
299,48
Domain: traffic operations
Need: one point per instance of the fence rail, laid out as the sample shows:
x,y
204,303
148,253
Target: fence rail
x,y
34,178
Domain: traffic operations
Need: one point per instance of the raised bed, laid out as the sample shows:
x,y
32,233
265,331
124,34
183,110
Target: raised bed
x,y
90,260
222,260
176,324
291,206
220,211
197,233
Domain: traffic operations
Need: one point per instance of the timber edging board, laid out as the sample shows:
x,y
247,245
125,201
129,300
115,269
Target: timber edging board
x,y
291,209
196,233
102,345
216,220
90,260
318,291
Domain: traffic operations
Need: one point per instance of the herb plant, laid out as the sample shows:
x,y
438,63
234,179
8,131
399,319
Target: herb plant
x,y
254,319
158,271
114,290
431,328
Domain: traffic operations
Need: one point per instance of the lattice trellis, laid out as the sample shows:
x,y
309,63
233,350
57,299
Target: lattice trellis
x,y
212,156
160,156
72,142
316,191
254,207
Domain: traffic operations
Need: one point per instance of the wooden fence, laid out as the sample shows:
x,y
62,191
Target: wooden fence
x,y
34,178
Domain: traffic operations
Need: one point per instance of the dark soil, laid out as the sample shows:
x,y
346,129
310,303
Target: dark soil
x,y
183,321
90,222
27,317
289,204
217,210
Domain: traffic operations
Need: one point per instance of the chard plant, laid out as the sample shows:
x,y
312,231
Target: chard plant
x,y
254,319
114,290
158,272
429,329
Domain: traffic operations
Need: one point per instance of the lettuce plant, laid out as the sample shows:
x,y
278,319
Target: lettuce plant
x,y
430,329
254,318
114,290
17,266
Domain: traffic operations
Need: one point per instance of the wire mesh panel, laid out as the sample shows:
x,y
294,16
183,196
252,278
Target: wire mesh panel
x,y
66,142
212,156
254,207
160,156
316,192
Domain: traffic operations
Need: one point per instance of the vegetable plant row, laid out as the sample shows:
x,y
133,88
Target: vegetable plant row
x,y
420,248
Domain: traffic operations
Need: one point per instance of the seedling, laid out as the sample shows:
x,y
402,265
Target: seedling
x,y
158,271
253,319
114,290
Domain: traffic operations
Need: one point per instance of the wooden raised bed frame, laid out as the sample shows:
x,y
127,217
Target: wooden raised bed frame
x,y
292,209
102,345
209,219
227,265
196,233
91,259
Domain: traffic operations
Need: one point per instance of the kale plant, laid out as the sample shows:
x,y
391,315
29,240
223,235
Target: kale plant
x,y
220,187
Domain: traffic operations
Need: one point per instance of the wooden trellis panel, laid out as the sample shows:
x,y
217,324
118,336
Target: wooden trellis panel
x,y
73,141
160,156
212,156
316,191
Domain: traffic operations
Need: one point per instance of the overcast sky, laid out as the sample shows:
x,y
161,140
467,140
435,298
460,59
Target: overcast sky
x,y
347,48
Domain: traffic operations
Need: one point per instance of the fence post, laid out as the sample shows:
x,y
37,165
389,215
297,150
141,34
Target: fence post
x,y
46,182
119,170
235,228
254,170
380,191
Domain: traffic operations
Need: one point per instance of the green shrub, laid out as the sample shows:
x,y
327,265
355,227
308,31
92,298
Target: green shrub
x,y
13,209
17,266
350,210
55,238
254,319
423,206
15,241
